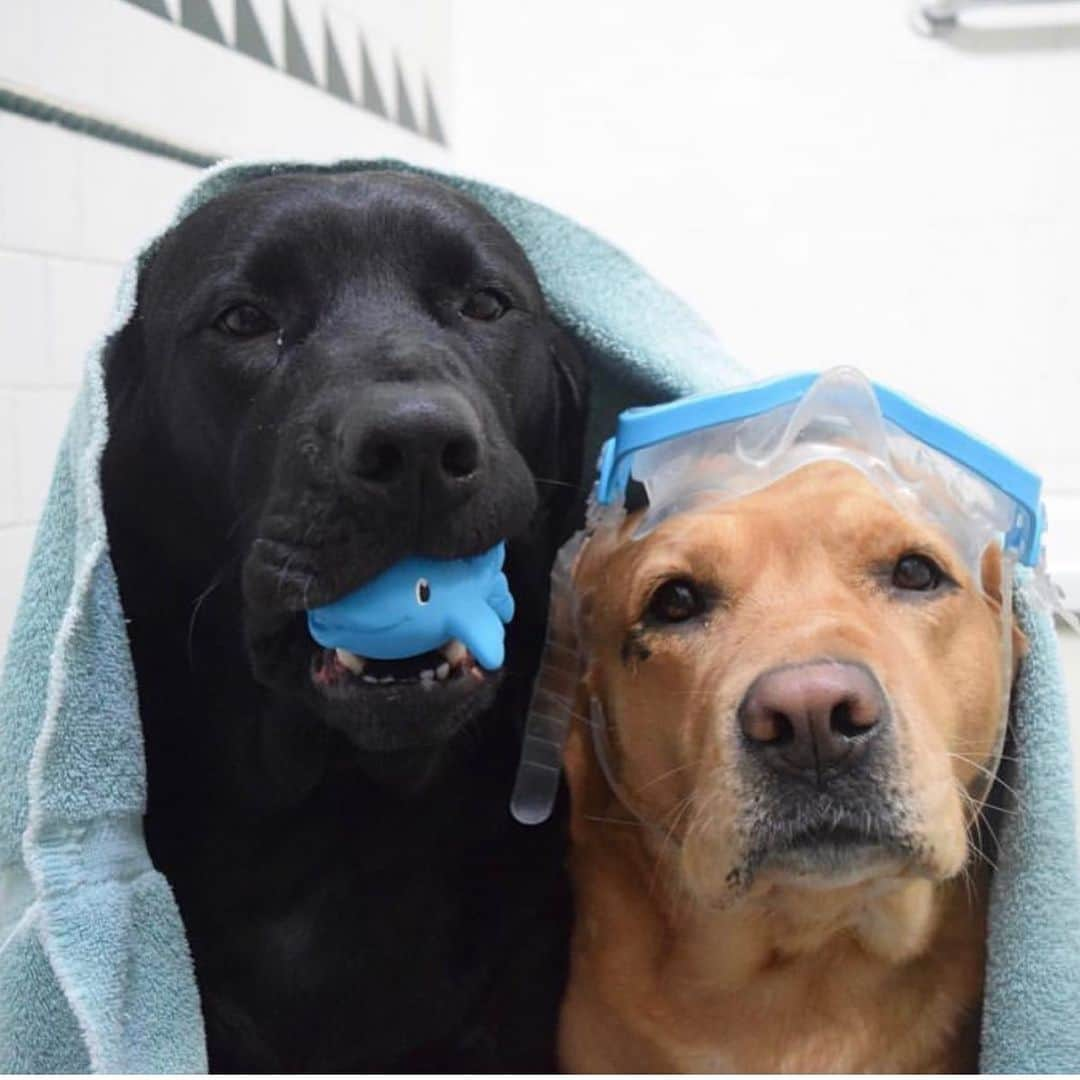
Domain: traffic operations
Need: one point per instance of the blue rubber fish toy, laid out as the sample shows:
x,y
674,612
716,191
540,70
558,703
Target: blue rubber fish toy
x,y
420,604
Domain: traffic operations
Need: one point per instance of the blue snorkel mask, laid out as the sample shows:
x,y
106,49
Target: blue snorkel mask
x,y
719,447
729,445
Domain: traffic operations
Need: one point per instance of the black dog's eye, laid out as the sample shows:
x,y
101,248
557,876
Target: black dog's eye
x,y
244,321
423,591
485,305
917,573
676,601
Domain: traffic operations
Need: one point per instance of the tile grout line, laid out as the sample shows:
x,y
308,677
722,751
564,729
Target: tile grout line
x,y
59,256
38,388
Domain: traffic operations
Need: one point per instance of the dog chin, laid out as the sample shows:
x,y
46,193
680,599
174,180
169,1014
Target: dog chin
x,y
825,858
831,866
406,717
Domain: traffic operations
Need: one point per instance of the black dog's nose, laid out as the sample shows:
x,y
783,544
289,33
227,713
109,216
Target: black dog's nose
x,y
812,719
408,440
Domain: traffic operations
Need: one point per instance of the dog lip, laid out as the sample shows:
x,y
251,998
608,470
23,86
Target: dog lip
x,y
829,838
830,851
836,836
449,668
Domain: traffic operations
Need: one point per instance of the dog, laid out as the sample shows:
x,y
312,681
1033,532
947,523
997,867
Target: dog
x,y
802,693
323,375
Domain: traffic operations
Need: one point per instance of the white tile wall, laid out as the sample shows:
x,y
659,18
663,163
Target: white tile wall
x,y
73,208
23,318
8,468
121,63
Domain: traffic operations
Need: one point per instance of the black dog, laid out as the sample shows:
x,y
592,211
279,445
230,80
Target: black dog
x,y
325,374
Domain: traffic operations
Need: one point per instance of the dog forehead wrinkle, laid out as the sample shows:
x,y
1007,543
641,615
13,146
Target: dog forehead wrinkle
x,y
462,229
281,233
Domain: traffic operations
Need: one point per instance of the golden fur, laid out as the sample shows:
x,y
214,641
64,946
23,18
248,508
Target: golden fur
x,y
686,958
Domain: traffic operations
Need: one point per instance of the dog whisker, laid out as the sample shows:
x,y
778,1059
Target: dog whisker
x,y
677,813
558,483
995,777
665,775
196,607
613,821
980,822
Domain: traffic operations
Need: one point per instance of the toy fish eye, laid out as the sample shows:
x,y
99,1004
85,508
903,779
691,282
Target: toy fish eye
x,y
423,591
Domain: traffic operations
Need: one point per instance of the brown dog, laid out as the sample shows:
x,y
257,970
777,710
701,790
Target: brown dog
x,y
803,695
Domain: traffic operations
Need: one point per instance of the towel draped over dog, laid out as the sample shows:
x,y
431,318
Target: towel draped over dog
x,y
95,972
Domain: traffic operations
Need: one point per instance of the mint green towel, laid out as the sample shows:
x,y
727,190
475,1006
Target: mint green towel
x,y
95,973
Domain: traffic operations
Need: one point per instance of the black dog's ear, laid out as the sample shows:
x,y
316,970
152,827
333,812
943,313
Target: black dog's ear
x,y
122,362
570,421
130,416
571,369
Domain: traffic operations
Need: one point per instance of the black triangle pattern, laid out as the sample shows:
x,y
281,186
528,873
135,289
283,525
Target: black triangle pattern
x,y
405,115
250,38
372,98
155,7
435,130
297,63
336,82
199,16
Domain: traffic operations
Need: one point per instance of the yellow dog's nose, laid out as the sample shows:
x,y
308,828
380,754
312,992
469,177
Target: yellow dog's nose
x,y
813,718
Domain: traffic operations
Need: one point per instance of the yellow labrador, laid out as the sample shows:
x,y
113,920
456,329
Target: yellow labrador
x,y
802,694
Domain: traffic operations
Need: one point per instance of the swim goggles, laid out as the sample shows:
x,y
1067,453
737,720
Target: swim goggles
x,y
717,447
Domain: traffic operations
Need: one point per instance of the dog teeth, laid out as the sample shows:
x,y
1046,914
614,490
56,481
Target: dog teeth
x,y
354,663
427,675
455,652
387,679
442,671
370,679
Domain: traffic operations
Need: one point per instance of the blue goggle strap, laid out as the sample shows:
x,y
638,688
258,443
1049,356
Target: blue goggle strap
x,y
639,428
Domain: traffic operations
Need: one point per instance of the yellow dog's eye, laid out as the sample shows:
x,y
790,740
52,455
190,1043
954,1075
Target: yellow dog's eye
x,y
916,573
675,601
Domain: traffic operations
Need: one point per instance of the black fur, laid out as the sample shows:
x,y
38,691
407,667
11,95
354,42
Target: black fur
x,y
356,895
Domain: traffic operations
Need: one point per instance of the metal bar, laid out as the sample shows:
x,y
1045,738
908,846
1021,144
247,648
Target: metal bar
x,y
937,16
36,107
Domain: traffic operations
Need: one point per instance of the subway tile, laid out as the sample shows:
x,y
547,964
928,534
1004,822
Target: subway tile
x,y
114,223
40,208
9,492
79,299
62,193
23,319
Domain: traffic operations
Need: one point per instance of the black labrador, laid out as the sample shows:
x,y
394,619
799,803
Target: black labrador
x,y
324,374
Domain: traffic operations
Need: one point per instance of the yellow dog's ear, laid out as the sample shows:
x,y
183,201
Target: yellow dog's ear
x,y
993,586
